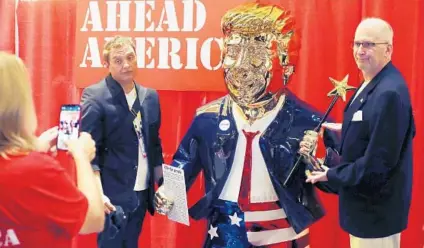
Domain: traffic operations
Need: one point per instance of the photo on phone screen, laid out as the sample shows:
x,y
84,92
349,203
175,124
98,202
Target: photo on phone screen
x,y
69,125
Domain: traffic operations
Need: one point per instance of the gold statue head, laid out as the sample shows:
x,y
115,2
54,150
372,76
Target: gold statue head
x,y
259,52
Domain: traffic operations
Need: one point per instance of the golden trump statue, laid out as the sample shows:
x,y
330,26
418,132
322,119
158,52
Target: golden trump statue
x,y
247,142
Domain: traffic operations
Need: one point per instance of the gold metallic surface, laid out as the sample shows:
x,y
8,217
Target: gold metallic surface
x,y
265,23
253,18
256,112
256,56
212,107
340,87
246,73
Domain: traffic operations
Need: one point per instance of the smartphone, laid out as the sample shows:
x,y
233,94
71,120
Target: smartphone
x,y
69,124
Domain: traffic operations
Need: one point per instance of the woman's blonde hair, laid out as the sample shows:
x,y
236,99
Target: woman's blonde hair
x,y
16,103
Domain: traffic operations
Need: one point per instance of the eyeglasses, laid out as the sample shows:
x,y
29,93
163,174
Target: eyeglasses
x,y
367,44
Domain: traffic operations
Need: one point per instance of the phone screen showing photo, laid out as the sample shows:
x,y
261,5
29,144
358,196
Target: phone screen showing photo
x,y
69,125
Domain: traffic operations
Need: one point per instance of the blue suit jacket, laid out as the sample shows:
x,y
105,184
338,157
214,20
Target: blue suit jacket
x,y
375,175
106,116
207,148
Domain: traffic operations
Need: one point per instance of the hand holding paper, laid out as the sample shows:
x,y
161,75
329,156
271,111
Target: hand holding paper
x,y
163,204
171,198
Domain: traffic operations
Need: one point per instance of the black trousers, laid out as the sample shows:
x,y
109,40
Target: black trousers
x,y
122,230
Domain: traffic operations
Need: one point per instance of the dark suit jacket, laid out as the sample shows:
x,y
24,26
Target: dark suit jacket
x,y
207,147
375,175
106,116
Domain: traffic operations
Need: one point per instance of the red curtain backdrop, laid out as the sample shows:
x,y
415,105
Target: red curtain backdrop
x,y
45,39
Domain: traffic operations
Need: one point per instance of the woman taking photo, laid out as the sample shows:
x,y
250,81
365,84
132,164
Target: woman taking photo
x,y
40,206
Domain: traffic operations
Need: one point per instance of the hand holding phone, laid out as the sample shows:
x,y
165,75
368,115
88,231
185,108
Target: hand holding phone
x,y
83,147
46,141
69,125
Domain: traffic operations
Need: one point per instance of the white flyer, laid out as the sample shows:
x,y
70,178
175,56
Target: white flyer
x,y
175,189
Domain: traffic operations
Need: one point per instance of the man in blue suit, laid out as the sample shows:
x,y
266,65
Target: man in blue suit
x,y
124,120
247,142
375,173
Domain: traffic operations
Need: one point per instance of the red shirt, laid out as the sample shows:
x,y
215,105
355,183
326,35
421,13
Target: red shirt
x,y
40,206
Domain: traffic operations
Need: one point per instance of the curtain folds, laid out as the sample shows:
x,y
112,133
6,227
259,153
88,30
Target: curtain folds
x,y
46,42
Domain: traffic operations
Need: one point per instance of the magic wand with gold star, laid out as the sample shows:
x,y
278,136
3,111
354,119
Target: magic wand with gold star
x,y
340,90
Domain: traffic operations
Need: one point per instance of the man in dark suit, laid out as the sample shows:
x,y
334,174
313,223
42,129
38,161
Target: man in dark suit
x,y
375,173
124,120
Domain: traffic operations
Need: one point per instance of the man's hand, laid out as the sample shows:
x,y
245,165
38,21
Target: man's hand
x,y
162,203
308,143
318,176
332,126
109,208
46,142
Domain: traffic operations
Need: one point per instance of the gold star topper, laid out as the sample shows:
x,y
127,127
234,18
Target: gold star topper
x,y
340,88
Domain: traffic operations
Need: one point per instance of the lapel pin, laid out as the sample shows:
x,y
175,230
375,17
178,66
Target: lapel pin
x,y
224,125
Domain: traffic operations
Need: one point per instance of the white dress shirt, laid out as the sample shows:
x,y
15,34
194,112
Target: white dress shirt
x,y
359,91
142,179
262,189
